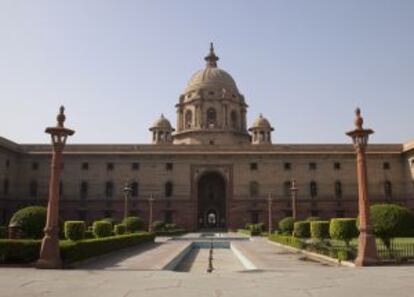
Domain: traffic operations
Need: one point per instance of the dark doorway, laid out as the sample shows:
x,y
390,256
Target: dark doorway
x,y
212,201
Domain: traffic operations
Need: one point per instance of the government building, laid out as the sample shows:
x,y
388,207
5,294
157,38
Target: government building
x,y
212,170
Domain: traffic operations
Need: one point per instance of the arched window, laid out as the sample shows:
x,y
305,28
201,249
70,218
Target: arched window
x,y
388,188
168,189
84,190
6,186
338,189
233,119
211,117
254,189
134,189
313,189
286,188
33,188
109,189
188,119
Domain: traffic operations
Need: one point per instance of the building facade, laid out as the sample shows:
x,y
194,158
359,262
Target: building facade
x,y
212,170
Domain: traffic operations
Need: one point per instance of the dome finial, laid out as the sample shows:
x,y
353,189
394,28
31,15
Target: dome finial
x,y
211,58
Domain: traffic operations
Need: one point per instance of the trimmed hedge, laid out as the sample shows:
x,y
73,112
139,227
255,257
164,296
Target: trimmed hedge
x,y
119,229
31,220
343,229
80,250
287,240
102,229
301,229
133,224
158,225
75,230
286,225
390,220
27,250
319,230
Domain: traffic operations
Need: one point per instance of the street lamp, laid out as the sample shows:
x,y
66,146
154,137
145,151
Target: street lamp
x,y
367,250
150,200
293,191
127,195
269,207
49,252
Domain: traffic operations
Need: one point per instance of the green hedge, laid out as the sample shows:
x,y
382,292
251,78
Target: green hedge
x,y
319,230
80,250
301,229
31,220
102,229
119,229
287,240
343,229
75,230
133,224
286,225
27,250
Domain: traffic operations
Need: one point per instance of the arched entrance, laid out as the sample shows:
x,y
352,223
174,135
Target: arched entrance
x,y
211,201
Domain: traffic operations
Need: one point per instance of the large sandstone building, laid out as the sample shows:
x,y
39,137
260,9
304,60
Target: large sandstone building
x,y
210,166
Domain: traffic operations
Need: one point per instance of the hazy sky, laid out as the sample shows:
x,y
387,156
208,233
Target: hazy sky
x,y
117,65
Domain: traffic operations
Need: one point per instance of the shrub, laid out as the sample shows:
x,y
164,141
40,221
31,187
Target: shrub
x,y
3,232
19,250
288,240
119,229
74,230
109,220
31,220
343,229
390,220
301,229
73,251
101,229
88,234
158,225
170,226
133,224
286,225
311,219
255,229
319,230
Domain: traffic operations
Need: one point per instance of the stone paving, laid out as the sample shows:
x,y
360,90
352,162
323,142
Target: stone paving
x,y
279,273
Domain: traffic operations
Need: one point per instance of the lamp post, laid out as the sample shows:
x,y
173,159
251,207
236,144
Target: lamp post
x,y
367,250
49,252
293,192
127,194
150,200
269,207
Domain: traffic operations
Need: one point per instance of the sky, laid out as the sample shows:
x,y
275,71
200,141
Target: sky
x,y
117,65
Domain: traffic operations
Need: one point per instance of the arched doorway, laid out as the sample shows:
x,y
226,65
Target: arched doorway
x,y
211,201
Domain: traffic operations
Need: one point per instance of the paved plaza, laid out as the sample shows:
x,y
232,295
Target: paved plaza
x,y
137,272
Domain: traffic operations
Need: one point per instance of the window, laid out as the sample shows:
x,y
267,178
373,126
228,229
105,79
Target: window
x,y
169,166
85,166
233,119
84,190
109,189
287,166
337,166
286,188
168,189
35,166
312,166
386,166
33,188
188,119
6,186
134,189
313,189
253,166
109,166
338,189
135,166
388,188
254,189
211,117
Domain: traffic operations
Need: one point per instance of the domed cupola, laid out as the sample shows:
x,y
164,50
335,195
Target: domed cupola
x,y
211,110
261,131
162,131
